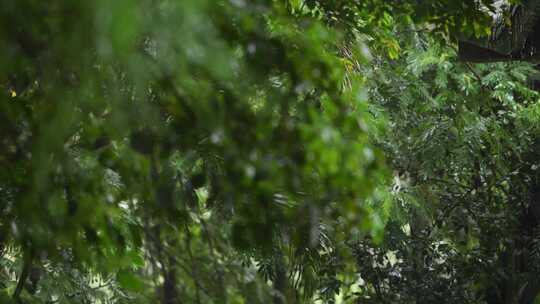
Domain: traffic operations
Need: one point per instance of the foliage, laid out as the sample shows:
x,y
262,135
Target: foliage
x,y
464,146
234,152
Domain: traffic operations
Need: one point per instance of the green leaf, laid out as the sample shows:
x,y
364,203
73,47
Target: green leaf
x,y
129,281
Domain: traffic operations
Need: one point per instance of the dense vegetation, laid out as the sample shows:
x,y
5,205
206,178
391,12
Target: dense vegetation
x,y
299,151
